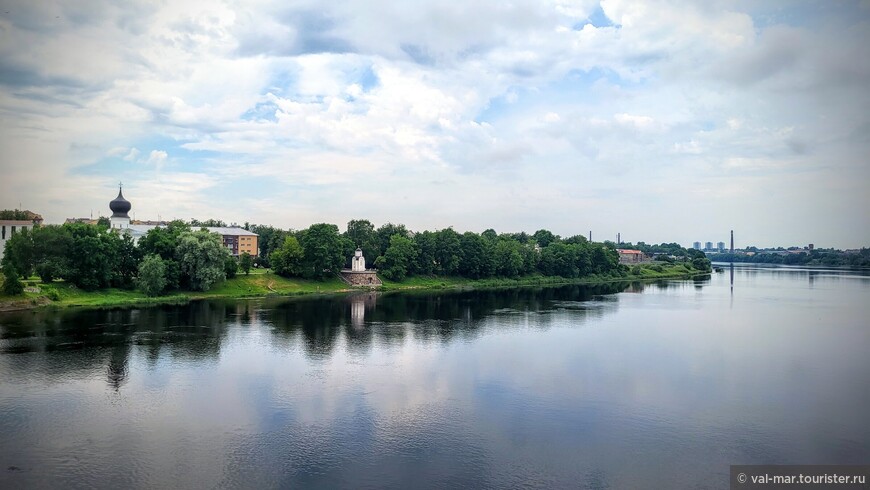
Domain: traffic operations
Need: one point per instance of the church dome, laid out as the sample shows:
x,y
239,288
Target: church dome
x,y
120,206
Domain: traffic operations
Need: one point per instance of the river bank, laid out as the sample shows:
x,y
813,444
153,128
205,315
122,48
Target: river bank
x,y
262,283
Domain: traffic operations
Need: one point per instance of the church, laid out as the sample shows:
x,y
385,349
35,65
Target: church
x,y
237,240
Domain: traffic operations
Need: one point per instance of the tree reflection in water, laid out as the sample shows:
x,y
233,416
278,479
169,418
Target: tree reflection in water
x,y
84,341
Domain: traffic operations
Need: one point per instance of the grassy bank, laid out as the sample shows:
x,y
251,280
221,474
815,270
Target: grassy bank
x,y
63,294
262,283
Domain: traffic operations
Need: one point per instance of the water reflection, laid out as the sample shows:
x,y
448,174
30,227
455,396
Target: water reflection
x,y
542,387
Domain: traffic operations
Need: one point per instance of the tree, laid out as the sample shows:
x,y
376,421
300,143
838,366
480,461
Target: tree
x,y
209,223
323,250
361,233
269,240
51,245
448,252
201,256
11,283
477,257
386,232
508,260
163,241
128,257
287,260
104,222
246,262
398,259
18,252
427,261
544,238
151,279
560,259
92,256
231,267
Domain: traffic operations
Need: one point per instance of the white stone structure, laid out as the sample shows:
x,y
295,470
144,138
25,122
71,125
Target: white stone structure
x,y
358,262
358,275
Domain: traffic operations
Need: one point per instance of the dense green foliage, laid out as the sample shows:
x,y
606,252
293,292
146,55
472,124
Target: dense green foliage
x,y
826,257
287,260
202,258
15,214
11,282
152,275
195,223
398,259
246,262
92,257
270,239
323,251
361,233
231,267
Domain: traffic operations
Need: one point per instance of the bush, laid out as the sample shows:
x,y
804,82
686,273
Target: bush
x,y
231,267
657,268
245,263
53,295
11,282
152,275
636,271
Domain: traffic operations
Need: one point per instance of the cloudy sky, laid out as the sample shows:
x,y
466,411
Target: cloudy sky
x,y
665,121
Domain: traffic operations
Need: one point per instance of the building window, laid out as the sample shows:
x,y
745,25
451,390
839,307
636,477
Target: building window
x,y
13,229
4,232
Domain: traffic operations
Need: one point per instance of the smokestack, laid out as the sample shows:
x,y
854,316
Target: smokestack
x,y
732,241
618,239
590,236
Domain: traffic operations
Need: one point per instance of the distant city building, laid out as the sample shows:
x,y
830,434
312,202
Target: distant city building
x,y
811,247
696,245
708,246
627,256
9,227
721,247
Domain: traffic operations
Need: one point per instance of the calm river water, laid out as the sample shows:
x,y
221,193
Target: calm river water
x,y
654,386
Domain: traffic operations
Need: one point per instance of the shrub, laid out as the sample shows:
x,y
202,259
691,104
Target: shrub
x,y
231,267
152,275
11,282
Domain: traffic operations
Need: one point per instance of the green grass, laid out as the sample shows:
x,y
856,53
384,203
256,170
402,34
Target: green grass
x,y
264,283
257,284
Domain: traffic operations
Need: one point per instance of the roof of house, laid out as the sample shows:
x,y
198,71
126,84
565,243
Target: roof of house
x,y
15,222
628,251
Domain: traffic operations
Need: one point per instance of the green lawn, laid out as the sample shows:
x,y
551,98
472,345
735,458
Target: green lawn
x,y
264,283
258,283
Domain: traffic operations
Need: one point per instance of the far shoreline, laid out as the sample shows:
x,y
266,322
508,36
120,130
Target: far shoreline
x,y
264,284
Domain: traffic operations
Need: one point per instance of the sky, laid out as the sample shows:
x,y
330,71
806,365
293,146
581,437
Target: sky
x,y
663,121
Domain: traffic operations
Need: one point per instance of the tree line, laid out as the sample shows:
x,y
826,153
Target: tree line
x,y
95,257
826,257
178,257
398,253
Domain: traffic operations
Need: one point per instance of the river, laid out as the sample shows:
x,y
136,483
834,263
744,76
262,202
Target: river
x,y
623,386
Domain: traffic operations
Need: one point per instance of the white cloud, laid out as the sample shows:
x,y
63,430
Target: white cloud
x,y
510,109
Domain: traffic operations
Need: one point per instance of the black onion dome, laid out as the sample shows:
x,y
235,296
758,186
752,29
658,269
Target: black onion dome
x,y
120,206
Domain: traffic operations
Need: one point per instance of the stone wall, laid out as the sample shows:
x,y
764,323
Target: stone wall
x,y
364,278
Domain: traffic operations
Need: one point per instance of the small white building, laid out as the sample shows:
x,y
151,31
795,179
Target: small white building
x,y
358,262
358,275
